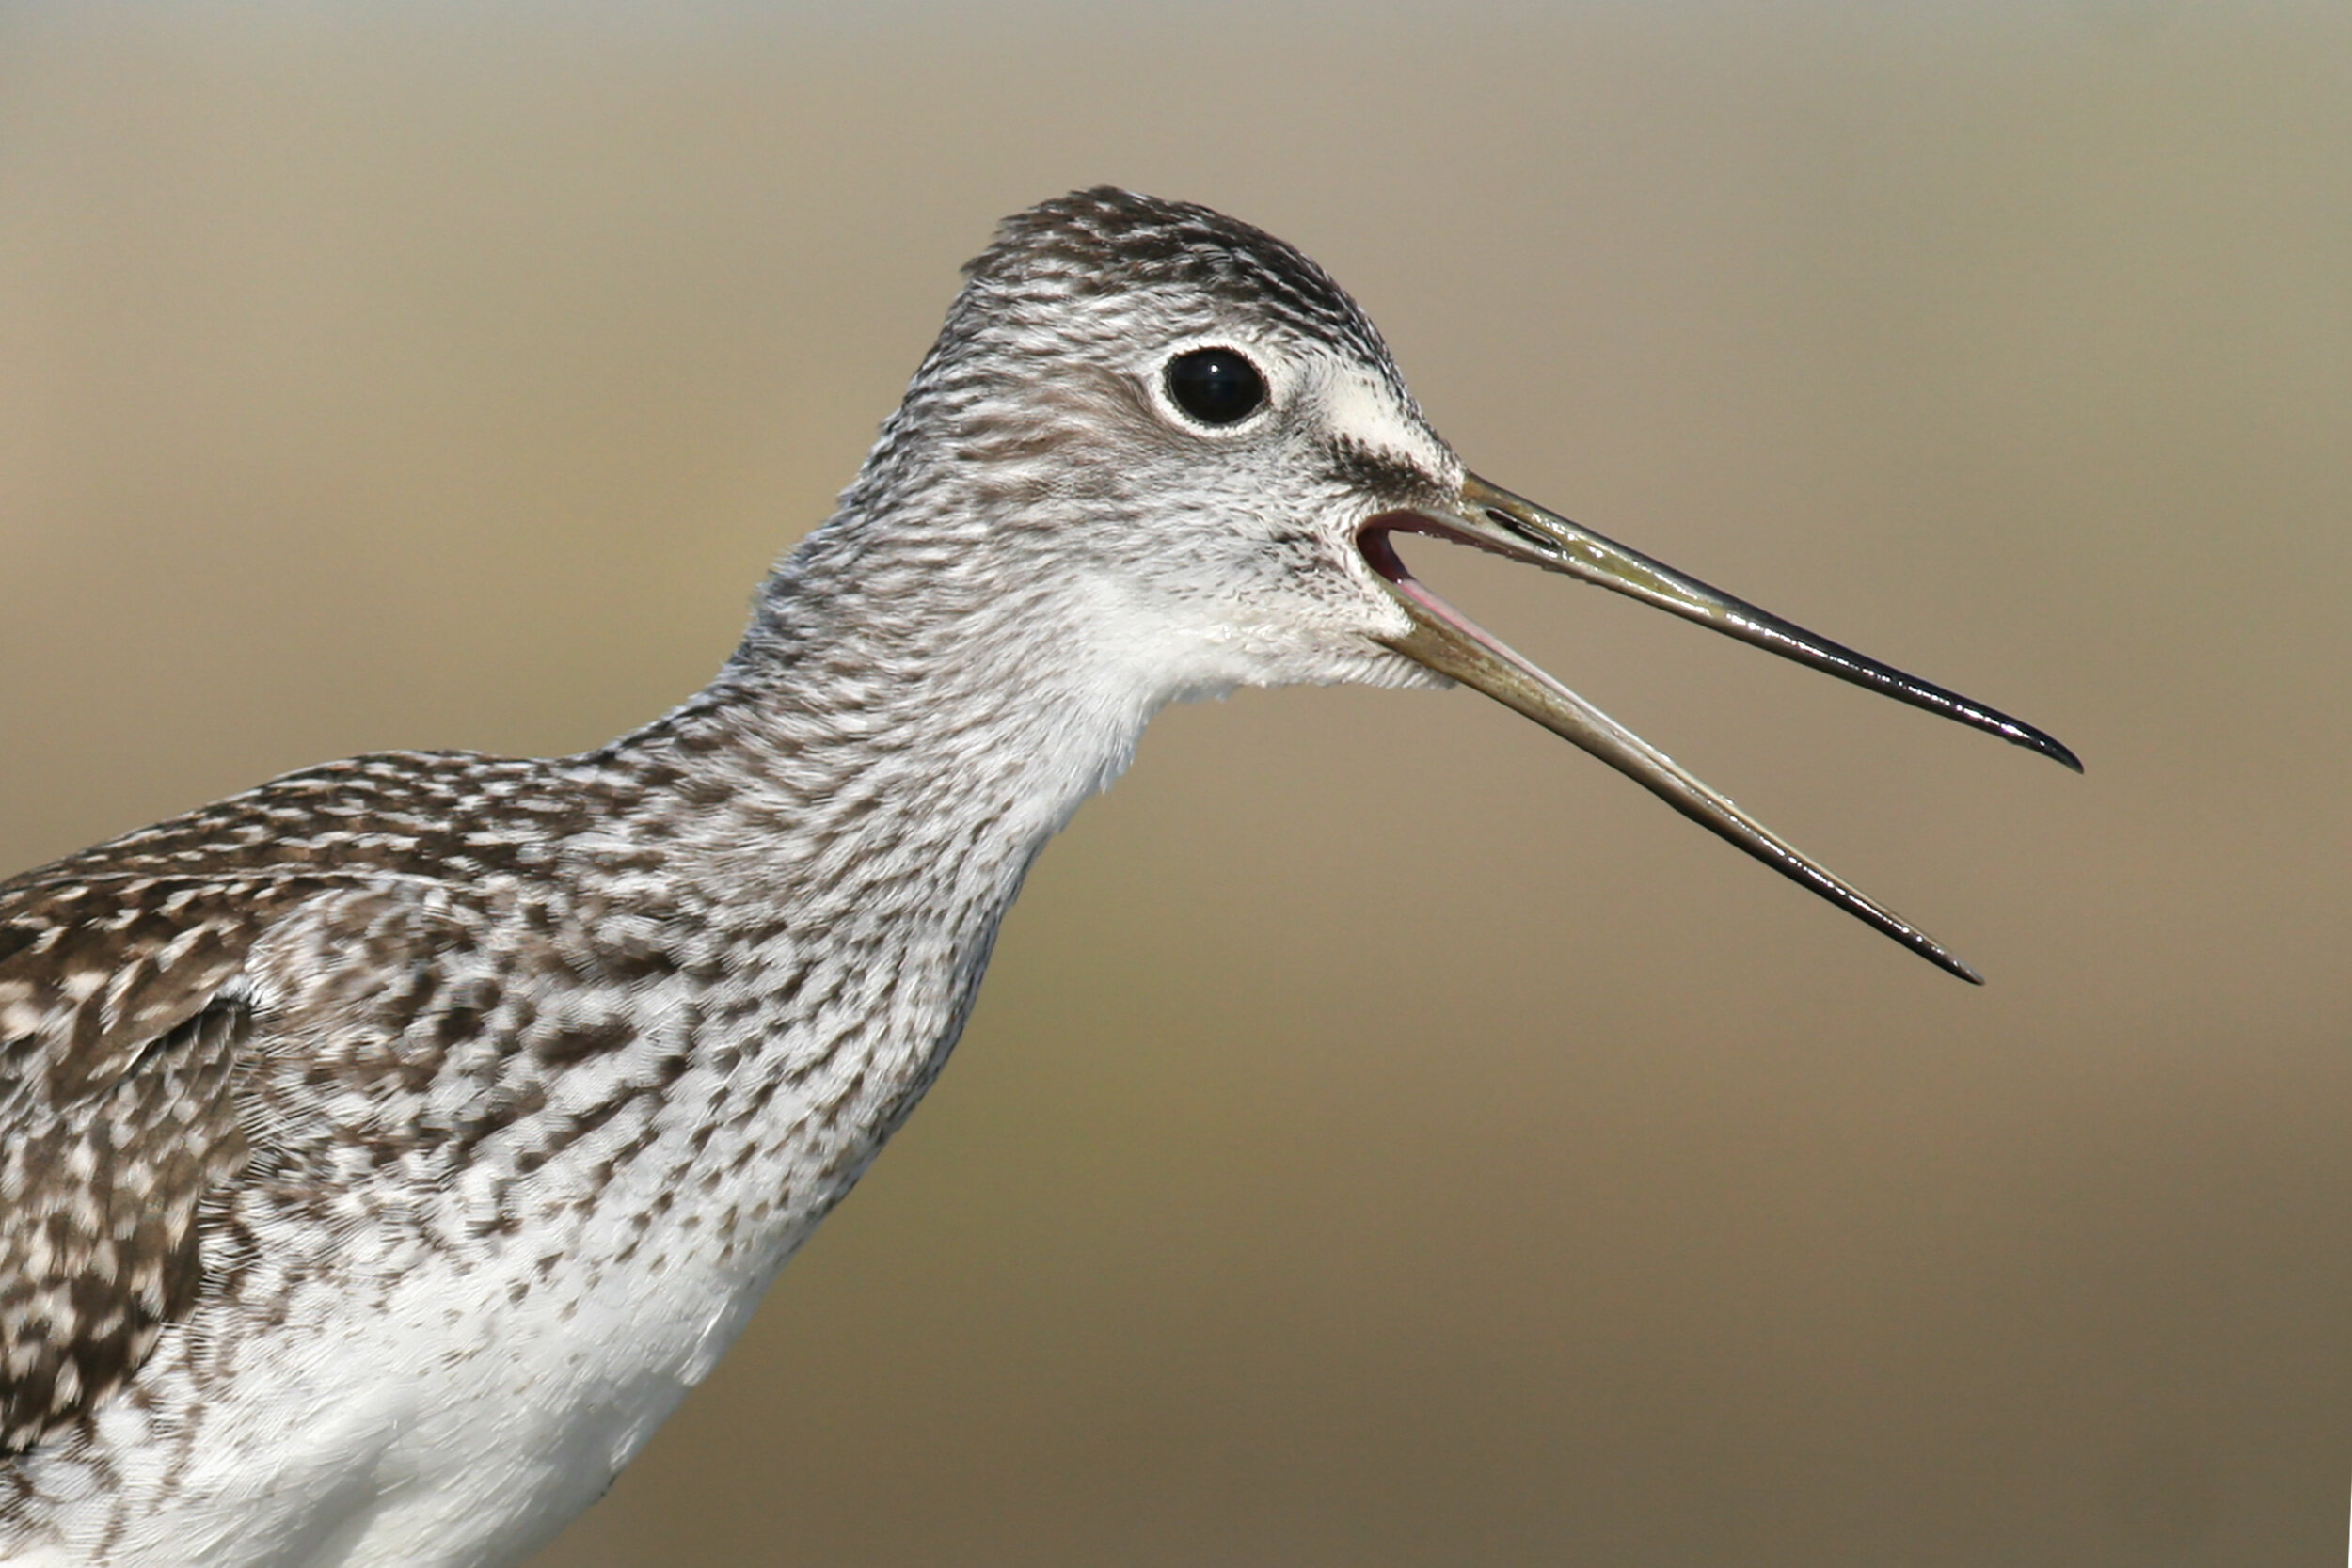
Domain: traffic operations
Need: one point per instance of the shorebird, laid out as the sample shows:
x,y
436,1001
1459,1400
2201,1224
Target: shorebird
x,y
389,1149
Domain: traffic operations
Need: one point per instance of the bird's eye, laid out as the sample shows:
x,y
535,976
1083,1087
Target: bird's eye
x,y
1215,386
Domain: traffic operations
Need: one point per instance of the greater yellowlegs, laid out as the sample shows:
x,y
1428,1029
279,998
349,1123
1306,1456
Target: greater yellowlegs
x,y
389,1149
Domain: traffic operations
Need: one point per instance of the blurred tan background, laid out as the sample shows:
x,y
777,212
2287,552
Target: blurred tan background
x,y
1388,1137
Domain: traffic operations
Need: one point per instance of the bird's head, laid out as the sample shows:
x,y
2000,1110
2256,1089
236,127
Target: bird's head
x,y
1181,424
1169,445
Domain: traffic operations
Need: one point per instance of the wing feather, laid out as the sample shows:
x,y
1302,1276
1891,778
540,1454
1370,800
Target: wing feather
x,y
122,1030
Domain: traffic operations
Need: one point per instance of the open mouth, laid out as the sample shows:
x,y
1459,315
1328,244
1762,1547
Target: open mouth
x,y
1374,539
1442,639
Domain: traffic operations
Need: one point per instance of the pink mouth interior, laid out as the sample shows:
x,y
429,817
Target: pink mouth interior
x,y
1381,555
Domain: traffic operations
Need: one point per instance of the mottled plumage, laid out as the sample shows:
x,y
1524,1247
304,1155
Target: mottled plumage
x,y
389,1148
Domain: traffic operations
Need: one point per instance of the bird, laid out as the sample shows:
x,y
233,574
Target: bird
x,y
389,1148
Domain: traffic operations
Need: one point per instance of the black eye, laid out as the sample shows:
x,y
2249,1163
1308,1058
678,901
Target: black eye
x,y
1215,386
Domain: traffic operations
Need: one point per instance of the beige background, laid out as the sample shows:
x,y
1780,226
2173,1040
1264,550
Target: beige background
x,y
1388,1136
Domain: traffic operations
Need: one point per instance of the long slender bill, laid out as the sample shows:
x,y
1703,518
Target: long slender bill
x,y
1495,519
1448,643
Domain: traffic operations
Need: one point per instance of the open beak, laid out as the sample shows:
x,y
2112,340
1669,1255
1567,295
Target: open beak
x,y
1448,643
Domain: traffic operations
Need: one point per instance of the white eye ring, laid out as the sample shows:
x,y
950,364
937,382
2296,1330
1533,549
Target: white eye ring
x,y
1215,386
